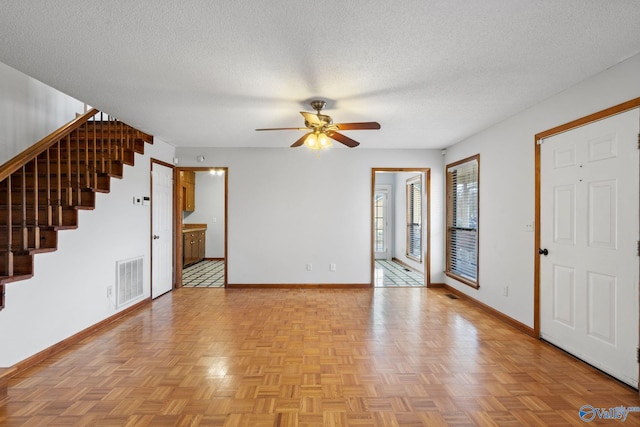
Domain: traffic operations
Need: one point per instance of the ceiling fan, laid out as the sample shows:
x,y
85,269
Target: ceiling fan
x,y
320,128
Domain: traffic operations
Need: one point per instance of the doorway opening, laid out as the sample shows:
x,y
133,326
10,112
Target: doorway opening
x,y
201,224
400,227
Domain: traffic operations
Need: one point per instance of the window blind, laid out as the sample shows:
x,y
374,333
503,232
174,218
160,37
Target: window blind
x,y
462,218
414,218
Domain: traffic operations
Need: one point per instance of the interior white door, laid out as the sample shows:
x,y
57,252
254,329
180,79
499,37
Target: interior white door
x,y
381,223
161,227
589,226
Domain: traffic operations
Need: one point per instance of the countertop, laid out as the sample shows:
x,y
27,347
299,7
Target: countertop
x,y
187,228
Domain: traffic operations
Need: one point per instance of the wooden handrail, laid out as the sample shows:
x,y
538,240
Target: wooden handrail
x,y
30,153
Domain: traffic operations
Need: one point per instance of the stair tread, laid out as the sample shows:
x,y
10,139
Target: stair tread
x,y
15,278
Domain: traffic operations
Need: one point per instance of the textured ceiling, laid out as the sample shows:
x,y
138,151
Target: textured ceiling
x,y
201,73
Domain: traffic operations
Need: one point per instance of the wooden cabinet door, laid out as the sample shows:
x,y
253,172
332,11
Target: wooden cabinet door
x,y
189,243
188,188
201,244
190,197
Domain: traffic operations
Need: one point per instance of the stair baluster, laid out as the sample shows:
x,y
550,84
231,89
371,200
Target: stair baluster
x,y
24,231
77,168
49,205
69,195
8,255
94,174
103,169
58,163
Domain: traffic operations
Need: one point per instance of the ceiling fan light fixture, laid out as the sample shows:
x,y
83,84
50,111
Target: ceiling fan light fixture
x,y
324,141
321,129
318,141
312,141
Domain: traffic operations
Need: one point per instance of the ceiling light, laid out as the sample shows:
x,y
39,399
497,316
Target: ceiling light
x,y
318,141
324,141
312,141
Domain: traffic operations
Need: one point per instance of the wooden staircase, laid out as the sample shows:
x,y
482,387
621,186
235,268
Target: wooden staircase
x,y
42,188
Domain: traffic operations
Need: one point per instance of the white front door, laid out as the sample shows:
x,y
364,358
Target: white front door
x,y
589,229
161,227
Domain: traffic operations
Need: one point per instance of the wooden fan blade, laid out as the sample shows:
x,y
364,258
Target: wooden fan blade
x,y
283,129
357,126
343,139
301,140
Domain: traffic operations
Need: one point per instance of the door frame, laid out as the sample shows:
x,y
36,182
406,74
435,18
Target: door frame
x,y
173,233
603,114
178,219
426,192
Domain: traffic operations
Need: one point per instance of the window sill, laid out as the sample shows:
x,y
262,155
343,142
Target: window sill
x,y
464,280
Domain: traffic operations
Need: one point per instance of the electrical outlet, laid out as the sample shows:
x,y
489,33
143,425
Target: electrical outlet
x,y
109,291
309,267
505,291
332,267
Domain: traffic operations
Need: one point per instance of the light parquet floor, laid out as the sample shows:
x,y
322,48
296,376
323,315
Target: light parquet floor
x,y
297,357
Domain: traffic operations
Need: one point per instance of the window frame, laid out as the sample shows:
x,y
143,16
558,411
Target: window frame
x,y
450,201
411,216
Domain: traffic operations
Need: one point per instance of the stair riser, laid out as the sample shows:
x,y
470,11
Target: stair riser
x,y
103,183
69,216
115,169
22,264
101,142
87,198
48,238
90,153
104,125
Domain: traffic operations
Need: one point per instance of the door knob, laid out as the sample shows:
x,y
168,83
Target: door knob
x,y
155,237
544,251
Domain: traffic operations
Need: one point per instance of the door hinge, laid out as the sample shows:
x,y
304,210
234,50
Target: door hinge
x,y
639,141
638,249
638,355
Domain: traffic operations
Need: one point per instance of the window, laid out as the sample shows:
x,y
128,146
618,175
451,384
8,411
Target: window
x,y
462,220
379,222
414,218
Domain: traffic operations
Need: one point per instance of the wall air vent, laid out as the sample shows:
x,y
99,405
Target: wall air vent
x,y
129,280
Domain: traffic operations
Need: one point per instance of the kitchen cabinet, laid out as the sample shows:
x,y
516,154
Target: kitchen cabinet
x,y
188,188
194,237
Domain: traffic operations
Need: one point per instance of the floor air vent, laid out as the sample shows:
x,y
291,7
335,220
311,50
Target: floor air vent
x,y
452,296
129,280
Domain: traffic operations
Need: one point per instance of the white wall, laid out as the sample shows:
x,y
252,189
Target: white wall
x,y
29,111
209,200
507,184
68,292
288,208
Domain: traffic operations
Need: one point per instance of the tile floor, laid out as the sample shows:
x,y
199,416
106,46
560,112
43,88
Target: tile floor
x,y
210,274
204,274
392,274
